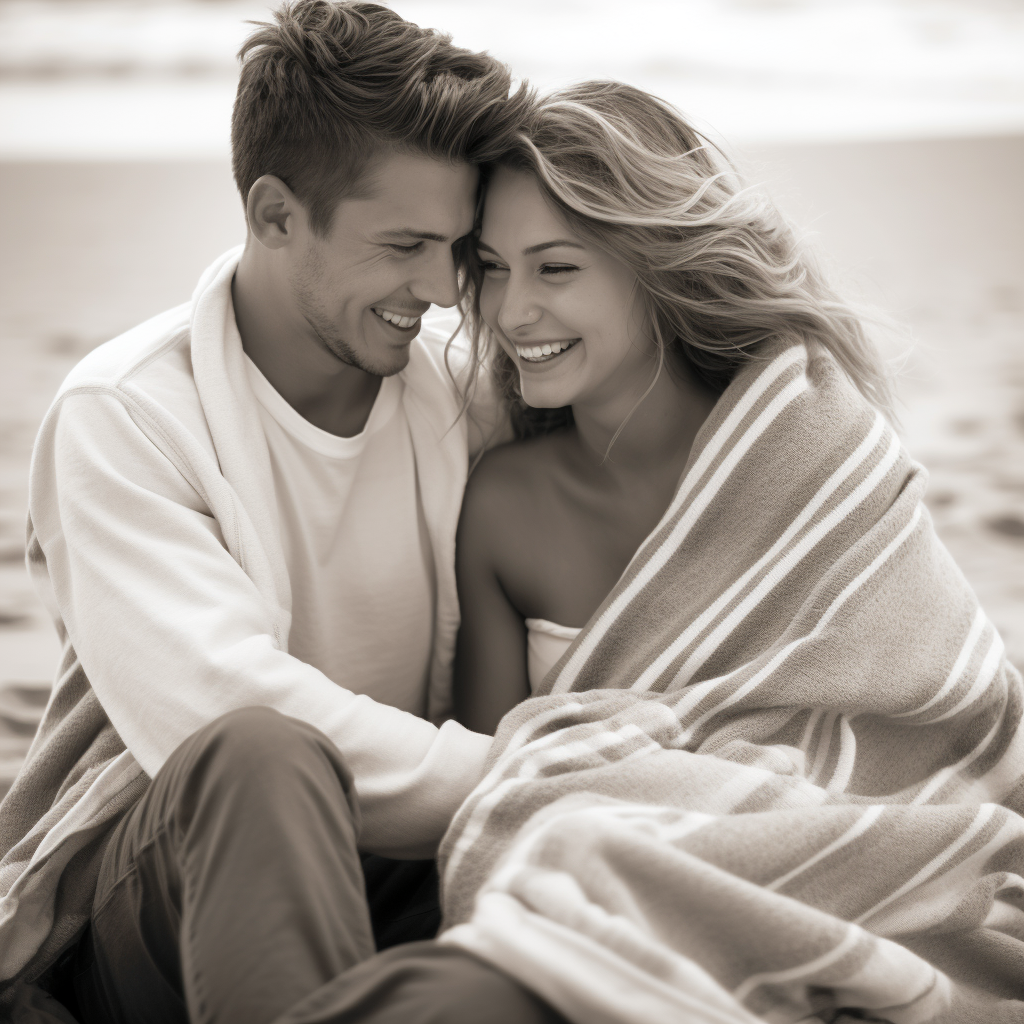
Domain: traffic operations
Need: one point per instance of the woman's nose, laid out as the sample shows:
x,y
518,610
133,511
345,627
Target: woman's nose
x,y
518,309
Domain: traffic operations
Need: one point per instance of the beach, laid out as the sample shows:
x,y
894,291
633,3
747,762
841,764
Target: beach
x,y
928,230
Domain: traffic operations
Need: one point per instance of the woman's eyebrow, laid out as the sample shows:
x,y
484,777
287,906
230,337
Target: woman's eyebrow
x,y
536,248
558,243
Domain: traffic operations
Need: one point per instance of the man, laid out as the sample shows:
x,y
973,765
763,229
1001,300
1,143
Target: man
x,y
242,515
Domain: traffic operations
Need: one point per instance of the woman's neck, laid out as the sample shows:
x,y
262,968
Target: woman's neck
x,y
658,433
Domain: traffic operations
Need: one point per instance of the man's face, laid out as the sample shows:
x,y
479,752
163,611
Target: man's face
x,y
364,286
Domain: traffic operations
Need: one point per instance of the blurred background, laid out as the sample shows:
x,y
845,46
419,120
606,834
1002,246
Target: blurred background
x,y
892,131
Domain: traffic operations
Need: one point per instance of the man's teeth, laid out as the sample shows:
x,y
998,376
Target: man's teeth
x,y
395,318
543,351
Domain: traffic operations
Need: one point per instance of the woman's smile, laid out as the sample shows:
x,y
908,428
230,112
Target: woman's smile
x,y
544,351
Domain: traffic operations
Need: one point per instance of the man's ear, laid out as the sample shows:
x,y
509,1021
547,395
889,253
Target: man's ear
x,y
273,212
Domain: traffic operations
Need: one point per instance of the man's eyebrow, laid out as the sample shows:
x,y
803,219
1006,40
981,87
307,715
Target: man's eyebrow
x,y
537,248
430,236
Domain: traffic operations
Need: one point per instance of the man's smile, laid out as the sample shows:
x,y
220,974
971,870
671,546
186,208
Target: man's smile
x,y
400,320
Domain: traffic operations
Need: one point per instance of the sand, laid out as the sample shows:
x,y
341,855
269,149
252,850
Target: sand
x,y
930,229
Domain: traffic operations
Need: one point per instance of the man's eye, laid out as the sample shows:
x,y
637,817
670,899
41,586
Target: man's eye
x,y
557,268
405,250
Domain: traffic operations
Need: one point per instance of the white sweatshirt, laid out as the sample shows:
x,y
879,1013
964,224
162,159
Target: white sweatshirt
x,y
152,499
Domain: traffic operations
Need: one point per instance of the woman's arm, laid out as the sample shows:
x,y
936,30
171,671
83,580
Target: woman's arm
x,y
490,659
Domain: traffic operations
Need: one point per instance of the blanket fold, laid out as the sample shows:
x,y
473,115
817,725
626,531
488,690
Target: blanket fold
x,y
777,777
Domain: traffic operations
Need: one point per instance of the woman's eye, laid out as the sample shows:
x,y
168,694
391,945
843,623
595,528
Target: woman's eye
x,y
557,268
405,250
489,266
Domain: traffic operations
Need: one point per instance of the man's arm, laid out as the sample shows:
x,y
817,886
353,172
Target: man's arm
x,y
172,633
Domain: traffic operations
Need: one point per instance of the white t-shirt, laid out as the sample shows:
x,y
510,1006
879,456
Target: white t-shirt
x,y
355,541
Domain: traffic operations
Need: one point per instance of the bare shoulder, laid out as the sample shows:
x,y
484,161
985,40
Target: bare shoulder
x,y
505,486
510,472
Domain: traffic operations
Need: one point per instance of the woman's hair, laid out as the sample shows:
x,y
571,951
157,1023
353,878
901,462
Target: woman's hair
x,y
719,271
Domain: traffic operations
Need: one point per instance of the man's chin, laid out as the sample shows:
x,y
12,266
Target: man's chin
x,y
392,369
380,364
387,363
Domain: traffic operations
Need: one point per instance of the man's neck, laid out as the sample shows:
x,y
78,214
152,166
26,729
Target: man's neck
x,y
332,395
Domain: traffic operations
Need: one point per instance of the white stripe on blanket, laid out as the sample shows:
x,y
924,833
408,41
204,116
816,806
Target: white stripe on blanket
x,y
973,636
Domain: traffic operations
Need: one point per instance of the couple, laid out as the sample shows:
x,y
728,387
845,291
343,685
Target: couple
x,y
269,713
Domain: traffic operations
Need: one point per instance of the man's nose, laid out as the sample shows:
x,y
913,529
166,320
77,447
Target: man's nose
x,y
440,284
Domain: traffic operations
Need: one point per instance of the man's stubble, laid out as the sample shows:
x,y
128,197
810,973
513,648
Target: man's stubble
x,y
308,286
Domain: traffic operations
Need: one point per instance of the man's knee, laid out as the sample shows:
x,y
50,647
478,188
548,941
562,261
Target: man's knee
x,y
249,733
463,989
423,983
256,751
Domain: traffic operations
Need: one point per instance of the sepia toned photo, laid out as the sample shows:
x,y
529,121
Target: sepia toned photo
x,y
512,514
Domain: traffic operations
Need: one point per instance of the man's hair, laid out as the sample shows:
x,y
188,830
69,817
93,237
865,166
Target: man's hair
x,y
328,87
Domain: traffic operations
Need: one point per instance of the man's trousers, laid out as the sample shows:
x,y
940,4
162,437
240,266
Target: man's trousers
x,y
233,893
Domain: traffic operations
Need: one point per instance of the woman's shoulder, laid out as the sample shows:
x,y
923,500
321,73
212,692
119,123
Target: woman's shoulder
x,y
509,478
509,468
508,495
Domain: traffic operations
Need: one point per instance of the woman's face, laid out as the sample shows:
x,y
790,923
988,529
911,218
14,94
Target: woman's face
x,y
566,313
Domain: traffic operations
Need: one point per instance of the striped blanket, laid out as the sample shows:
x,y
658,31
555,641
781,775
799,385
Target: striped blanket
x,y
777,777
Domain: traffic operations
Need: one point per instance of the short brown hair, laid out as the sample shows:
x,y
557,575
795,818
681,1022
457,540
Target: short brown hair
x,y
328,86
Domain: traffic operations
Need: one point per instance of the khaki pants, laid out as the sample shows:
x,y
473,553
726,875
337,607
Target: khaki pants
x,y
233,893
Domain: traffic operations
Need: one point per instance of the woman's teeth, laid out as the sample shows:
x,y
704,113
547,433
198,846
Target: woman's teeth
x,y
541,353
395,318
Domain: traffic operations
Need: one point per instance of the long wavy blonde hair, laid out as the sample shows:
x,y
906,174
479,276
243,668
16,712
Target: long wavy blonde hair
x,y
718,269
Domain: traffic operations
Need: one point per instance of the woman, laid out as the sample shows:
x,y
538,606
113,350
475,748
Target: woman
x,y
777,775
621,278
